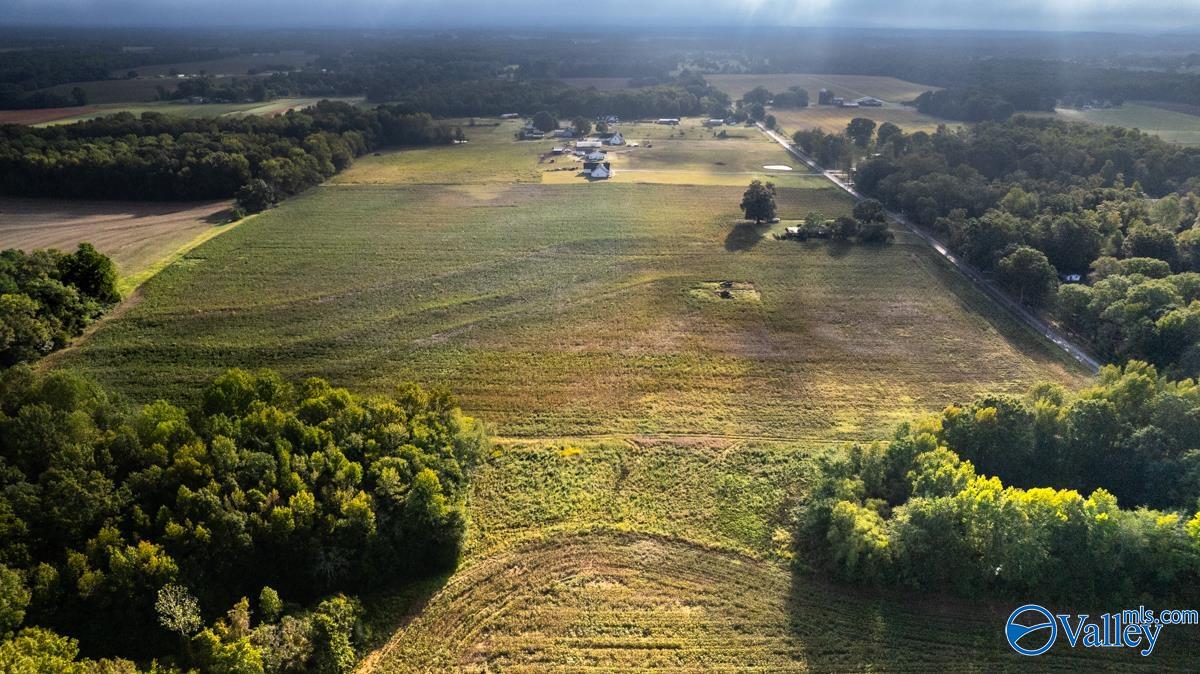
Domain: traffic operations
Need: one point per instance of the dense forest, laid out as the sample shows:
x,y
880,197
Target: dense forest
x,y
48,297
131,529
950,502
160,157
1033,200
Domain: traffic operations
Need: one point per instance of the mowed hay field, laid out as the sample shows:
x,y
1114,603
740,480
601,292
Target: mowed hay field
x,y
846,86
650,436
834,120
138,236
1171,125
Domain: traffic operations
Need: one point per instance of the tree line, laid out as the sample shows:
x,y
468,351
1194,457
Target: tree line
x,y
129,532
952,502
161,157
1035,200
48,297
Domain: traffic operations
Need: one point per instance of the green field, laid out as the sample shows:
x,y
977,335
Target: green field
x,y
193,110
834,120
643,555
846,86
650,436
1170,125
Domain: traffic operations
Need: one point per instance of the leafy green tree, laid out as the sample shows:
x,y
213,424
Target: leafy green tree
x,y
178,610
582,125
545,121
255,196
844,228
92,273
758,95
1026,272
869,210
1150,241
860,130
14,599
758,202
874,231
888,131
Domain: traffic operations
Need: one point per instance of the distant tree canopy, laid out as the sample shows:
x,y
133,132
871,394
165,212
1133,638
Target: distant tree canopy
x,y
48,297
544,121
124,527
758,202
22,71
922,511
794,97
968,105
155,156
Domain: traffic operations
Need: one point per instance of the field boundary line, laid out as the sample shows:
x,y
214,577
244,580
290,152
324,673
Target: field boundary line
x,y
126,285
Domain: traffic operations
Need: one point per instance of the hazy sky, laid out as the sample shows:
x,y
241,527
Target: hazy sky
x,y
1109,15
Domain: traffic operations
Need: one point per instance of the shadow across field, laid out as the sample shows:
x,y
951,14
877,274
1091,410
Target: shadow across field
x,y
745,235
844,628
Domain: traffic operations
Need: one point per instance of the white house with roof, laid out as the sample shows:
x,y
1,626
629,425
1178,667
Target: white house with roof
x,y
616,139
601,171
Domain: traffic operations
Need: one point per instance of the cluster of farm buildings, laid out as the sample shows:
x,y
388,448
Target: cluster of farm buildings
x,y
826,97
592,150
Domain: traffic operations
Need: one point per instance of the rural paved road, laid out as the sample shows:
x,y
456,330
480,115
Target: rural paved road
x,y
1028,317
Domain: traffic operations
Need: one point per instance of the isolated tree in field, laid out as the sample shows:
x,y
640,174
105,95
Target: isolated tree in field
x,y
860,130
869,210
545,121
582,125
758,202
1026,272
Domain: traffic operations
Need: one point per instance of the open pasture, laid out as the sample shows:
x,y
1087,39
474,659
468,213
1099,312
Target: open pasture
x,y
834,120
567,309
140,237
269,108
846,86
1171,125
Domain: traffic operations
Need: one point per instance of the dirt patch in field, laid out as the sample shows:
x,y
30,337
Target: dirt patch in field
x,y
134,234
41,115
